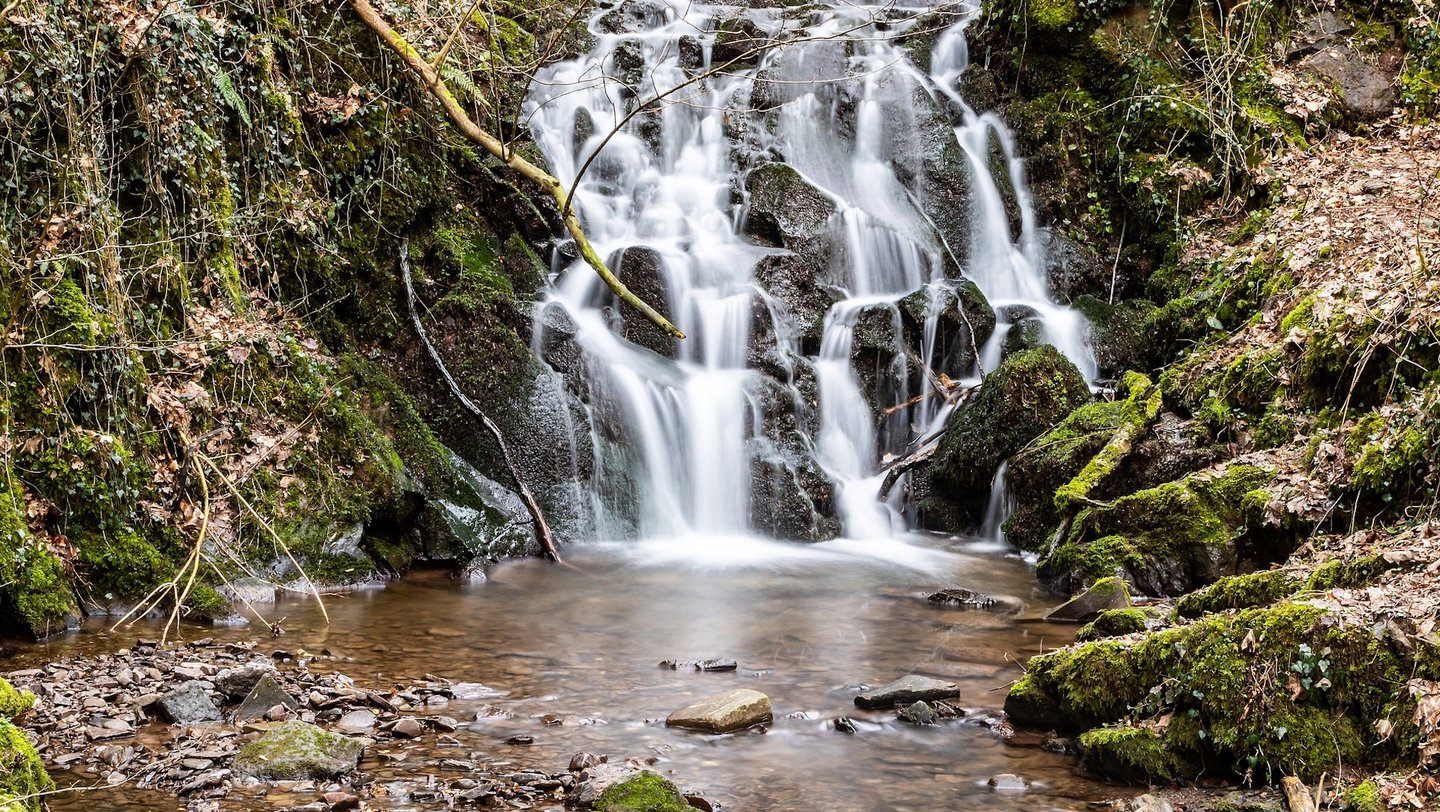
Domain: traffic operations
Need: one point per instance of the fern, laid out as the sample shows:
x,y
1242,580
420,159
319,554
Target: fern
x,y
227,91
459,78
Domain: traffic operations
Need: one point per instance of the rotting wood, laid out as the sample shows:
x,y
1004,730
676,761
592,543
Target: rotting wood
x,y
432,82
542,528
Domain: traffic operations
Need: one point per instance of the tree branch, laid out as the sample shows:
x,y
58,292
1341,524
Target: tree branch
x,y
432,82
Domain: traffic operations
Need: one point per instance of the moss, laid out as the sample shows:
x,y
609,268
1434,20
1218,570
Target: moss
x,y
36,589
1114,623
1341,574
14,703
1039,469
1140,408
298,750
1239,592
645,791
121,565
22,774
1221,688
1052,14
1363,797
1131,753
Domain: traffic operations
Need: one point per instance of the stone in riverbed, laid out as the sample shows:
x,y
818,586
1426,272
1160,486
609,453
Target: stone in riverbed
x,y
920,713
357,721
188,704
1007,782
645,791
907,690
724,713
295,751
266,694
1106,593
235,683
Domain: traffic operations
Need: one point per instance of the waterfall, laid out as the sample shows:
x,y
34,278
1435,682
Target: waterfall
x,y
814,313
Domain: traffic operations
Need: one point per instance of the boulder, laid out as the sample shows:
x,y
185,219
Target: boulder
x,y
188,704
1071,268
1120,334
1026,334
1029,393
643,791
785,209
642,270
724,713
738,41
1366,92
357,721
266,694
907,690
295,751
964,321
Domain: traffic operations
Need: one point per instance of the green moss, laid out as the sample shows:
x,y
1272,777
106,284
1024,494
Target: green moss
x,y
1140,409
1363,797
121,565
1341,574
22,775
1114,623
1131,753
1239,592
645,791
1052,14
1219,688
1039,469
13,703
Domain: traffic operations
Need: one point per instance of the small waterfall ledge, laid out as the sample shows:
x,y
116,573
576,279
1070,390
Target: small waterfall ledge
x,y
839,232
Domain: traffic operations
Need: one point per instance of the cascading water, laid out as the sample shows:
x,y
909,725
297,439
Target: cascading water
x,y
839,113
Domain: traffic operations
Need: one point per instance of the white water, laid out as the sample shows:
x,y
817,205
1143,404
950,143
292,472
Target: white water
x,y
688,425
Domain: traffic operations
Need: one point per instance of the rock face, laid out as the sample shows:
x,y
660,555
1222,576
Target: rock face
x,y
188,704
1028,394
296,751
642,270
908,690
724,713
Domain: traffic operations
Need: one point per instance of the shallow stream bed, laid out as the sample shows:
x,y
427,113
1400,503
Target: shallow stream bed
x,y
576,650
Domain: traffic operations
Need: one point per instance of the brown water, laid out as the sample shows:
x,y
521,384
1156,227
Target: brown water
x,y
806,623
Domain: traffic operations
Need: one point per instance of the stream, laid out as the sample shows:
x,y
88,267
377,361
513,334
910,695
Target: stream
x,y
578,648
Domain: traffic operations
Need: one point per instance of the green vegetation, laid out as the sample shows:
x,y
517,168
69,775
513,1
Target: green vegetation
x,y
644,791
22,775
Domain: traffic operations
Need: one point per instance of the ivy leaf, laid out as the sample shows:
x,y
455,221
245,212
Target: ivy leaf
x,y
1214,323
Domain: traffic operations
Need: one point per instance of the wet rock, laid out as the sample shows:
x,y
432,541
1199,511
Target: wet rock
x,y
408,728
1025,397
642,270
785,210
1007,782
235,683
294,751
341,801
356,721
714,664
843,724
791,280
188,704
956,596
1120,334
918,713
906,690
584,761
1073,269
634,16
644,791
964,322
1366,91
738,41
264,696
1026,334
724,713
1107,593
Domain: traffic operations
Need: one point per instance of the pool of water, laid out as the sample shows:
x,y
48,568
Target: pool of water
x,y
575,649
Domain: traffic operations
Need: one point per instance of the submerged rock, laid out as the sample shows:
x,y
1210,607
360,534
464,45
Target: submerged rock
x,y
724,713
906,690
296,751
1007,782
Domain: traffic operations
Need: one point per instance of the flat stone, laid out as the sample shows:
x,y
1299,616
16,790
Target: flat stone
x,y
908,690
1007,782
1106,593
236,683
357,721
188,704
294,751
723,713
265,695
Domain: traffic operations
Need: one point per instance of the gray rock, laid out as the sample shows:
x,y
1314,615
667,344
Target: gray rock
x,y
1149,802
296,751
248,591
1366,91
724,713
235,683
1073,269
1007,782
642,270
264,696
918,713
188,704
907,690
356,721
785,209
408,728
1317,31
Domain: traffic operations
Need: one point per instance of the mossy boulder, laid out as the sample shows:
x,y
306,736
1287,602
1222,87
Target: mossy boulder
x,y
644,791
22,773
296,751
1119,333
14,703
1030,393
1117,623
1164,540
1282,690
1041,467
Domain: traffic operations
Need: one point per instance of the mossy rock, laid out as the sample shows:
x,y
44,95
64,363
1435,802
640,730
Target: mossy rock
x,y
22,773
644,791
1119,332
1165,540
1131,753
295,751
1041,467
1030,393
1217,694
1239,592
14,703
1117,623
